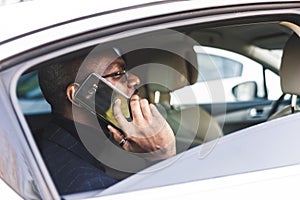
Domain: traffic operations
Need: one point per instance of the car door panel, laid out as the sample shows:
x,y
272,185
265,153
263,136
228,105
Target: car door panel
x,y
239,115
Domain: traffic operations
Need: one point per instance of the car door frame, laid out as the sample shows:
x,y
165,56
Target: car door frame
x,y
16,64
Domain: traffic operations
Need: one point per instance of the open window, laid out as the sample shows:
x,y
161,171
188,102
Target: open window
x,y
206,81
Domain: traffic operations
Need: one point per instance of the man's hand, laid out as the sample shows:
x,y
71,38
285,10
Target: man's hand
x,y
148,133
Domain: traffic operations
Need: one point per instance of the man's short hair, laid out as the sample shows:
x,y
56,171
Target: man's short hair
x,y
56,75
55,78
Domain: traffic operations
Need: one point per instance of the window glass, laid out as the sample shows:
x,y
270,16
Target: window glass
x,y
223,71
273,85
30,96
225,67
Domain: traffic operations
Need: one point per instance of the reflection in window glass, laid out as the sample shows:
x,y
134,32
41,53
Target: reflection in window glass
x,y
28,86
30,95
214,67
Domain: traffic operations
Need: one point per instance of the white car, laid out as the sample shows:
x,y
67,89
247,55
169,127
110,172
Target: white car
x,y
237,143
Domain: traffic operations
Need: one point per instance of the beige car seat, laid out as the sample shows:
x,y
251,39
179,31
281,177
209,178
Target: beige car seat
x,y
163,72
289,75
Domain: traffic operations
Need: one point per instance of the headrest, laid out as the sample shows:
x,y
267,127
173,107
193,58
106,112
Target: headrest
x,y
162,70
290,66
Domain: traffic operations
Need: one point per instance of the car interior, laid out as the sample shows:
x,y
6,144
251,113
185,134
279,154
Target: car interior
x,y
289,72
256,41
170,63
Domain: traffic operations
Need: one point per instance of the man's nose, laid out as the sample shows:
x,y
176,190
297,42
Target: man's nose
x,y
132,80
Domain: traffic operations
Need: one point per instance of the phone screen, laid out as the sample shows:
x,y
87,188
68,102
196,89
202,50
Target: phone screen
x,y
97,95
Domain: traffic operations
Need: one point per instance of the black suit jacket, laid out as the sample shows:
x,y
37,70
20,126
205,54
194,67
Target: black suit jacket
x,y
71,166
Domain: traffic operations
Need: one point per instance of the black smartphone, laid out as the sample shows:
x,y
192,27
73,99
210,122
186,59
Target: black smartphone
x,y
97,95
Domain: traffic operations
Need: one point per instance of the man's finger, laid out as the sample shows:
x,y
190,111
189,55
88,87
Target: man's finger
x,y
118,137
155,112
115,133
119,117
137,115
145,109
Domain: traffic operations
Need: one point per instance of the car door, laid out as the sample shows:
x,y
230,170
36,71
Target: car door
x,y
235,114
7,192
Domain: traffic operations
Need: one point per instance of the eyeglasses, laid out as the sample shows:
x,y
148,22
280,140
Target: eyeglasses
x,y
118,74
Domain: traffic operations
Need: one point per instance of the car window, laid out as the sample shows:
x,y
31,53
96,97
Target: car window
x,y
273,85
214,66
203,90
231,70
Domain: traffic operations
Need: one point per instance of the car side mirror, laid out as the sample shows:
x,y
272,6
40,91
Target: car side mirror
x,y
245,91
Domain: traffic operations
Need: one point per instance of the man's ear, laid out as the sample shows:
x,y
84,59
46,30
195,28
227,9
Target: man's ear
x,y
70,92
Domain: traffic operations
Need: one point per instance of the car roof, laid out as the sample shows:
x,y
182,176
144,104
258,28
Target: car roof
x,y
36,23
34,15
25,17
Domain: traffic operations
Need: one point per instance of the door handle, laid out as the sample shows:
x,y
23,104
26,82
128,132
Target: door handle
x,y
255,112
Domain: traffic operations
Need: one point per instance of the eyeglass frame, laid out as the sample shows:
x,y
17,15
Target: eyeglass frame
x,y
119,73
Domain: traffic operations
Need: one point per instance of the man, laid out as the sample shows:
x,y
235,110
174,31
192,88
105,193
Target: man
x,y
74,161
